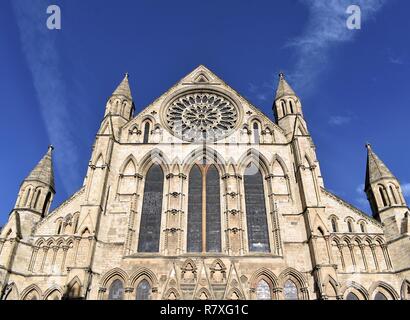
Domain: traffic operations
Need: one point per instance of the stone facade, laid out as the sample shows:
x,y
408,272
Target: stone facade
x,y
118,237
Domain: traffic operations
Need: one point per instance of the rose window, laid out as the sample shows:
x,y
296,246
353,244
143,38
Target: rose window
x,y
201,116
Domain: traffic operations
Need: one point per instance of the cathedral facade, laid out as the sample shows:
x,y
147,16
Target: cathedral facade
x,y
202,196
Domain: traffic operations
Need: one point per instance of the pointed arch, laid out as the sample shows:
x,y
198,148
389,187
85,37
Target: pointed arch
x,y
355,288
144,273
209,154
278,163
385,289
172,294
332,288
53,293
73,289
129,166
32,292
253,156
203,294
155,156
114,273
11,292
234,294
298,279
264,273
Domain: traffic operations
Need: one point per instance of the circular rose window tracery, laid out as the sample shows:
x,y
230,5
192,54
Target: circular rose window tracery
x,y
201,116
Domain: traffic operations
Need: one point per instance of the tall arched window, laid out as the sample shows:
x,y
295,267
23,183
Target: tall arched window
x,y
116,291
194,240
257,224
26,199
263,291
290,291
349,226
362,227
37,197
291,106
256,131
204,210
334,225
383,196
393,195
45,205
150,226
213,211
283,105
146,132
143,290
351,296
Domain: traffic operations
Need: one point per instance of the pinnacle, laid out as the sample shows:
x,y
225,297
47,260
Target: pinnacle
x,y
284,89
43,172
124,88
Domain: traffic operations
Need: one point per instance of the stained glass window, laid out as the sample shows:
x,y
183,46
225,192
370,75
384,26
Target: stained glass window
x,y
213,209
116,291
257,225
263,291
194,237
290,291
351,296
143,290
150,226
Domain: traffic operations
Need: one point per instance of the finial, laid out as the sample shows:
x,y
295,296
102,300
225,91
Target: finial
x,y
368,146
281,75
50,148
127,75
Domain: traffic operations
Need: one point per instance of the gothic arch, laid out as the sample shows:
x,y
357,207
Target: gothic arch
x,y
278,159
266,274
113,274
11,292
357,289
52,291
202,291
298,279
31,289
129,160
209,154
375,287
255,157
73,289
155,156
172,292
143,273
235,291
329,281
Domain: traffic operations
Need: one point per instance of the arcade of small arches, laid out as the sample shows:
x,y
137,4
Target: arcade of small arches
x,y
254,131
263,285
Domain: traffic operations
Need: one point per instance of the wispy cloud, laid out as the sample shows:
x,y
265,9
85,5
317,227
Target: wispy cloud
x,y
326,29
42,56
339,120
406,189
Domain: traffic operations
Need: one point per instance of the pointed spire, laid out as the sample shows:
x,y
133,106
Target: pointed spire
x,y
376,169
43,172
284,88
124,88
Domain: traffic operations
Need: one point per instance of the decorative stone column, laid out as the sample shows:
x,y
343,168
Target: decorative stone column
x,y
362,248
373,248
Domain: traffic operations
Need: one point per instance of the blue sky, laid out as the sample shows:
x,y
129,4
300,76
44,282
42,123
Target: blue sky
x,y
353,84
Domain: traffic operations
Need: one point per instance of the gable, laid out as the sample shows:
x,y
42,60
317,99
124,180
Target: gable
x,y
202,80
